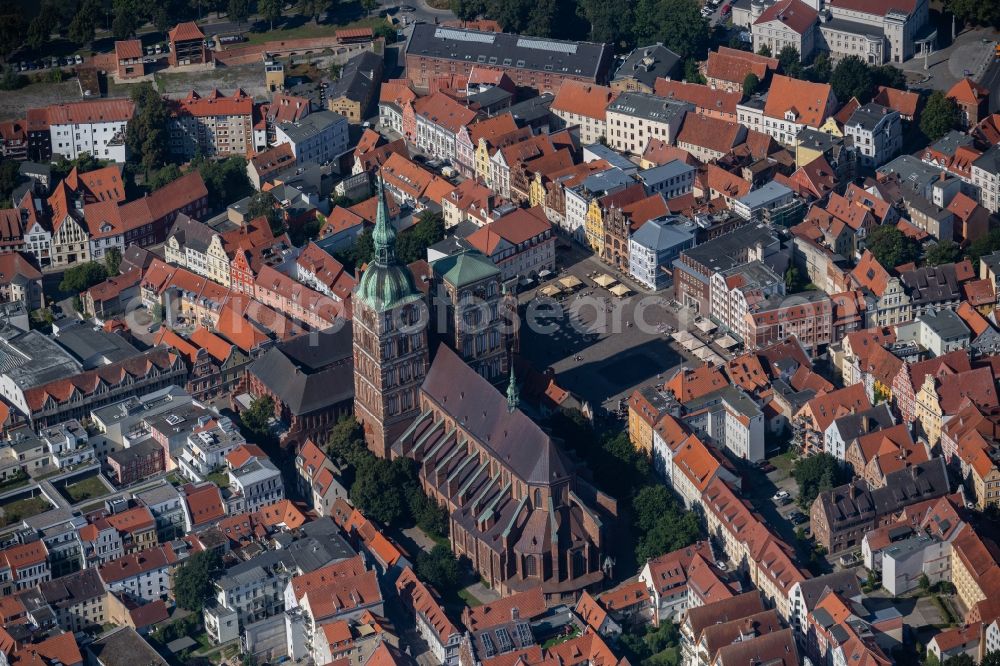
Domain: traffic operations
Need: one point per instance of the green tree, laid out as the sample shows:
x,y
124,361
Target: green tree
x,y
128,17
439,568
375,493
750,83
369,5
610,20
346,442
238,10
961,660
815,474
11,80
193,580
976,12
889,76
10,178
41,27
924,583
940,116
892,247
661,524
821,70
81,29
270,10
691,72
163,176
313,8
852,78
257,417
991,659
145,135
162,19
677,23
794,282
226,180
790,61
542,18
467,10
12,27
113,260
82,277
943,252
764,50
263,204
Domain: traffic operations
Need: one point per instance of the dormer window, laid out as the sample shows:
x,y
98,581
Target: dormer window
x,y
790,115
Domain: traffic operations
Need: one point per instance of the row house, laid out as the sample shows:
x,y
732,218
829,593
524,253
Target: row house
x,y
411,185
197,247
254,481
708,101
281,292
505,163
469,202
214,125
316,268
521,243
549,190
70,129
583,105
727,68
709,138
439,119
319,479
395,108
75,396
634,119
790,106
669,578
23,567
432,623
147,575
14,140
621,223
206,447
475,142
807,315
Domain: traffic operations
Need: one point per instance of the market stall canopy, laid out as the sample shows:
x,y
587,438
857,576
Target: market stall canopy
x,y
706,326
620,290
570,282
605,280
550,290
727,341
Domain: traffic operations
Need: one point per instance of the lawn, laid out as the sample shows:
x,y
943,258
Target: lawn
x,y
16,511
220,478
784,461
83,490
470,600
309,30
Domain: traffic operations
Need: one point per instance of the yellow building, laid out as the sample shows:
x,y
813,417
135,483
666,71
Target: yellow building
x,y
536,191
70,242
483,161
984,477
645,408
963,575
831,127
594,227
928,410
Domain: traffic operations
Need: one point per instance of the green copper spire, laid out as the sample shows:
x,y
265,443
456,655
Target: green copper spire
x,y
384,234
385,284
513,395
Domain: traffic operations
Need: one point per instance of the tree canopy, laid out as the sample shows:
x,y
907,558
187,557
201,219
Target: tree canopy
x,y
226,180
816,474
439,567
976,12
944,252
145,135
10,177
940,116
257,417
661,523
852,78
82,277
113,260
193,579
892,247
750,84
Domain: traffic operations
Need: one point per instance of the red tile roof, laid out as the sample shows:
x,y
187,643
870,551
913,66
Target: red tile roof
x,y
105,110
204,502
127,49
713,134
703,97
733,65
421,600
186,31
239,104
135,564
23,555
583,99
903,101
807,100
793,14
444,112
337,587
530,603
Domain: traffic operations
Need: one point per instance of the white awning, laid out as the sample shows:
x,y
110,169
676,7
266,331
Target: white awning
x,y
706,326
727,341
605,280
620,290
570,282
550,290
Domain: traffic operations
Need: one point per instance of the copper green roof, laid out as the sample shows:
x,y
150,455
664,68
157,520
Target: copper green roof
x,y
385,284
464,268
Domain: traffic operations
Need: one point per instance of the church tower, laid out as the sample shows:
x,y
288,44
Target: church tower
x,y
390,341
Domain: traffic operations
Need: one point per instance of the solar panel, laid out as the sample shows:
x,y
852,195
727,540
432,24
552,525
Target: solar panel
x,y
506,645
488,645
541,45
462,36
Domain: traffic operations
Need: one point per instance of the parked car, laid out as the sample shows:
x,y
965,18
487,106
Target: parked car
x,y
157,49
780,495
707,11
798,518
79,59
784,501
726,9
